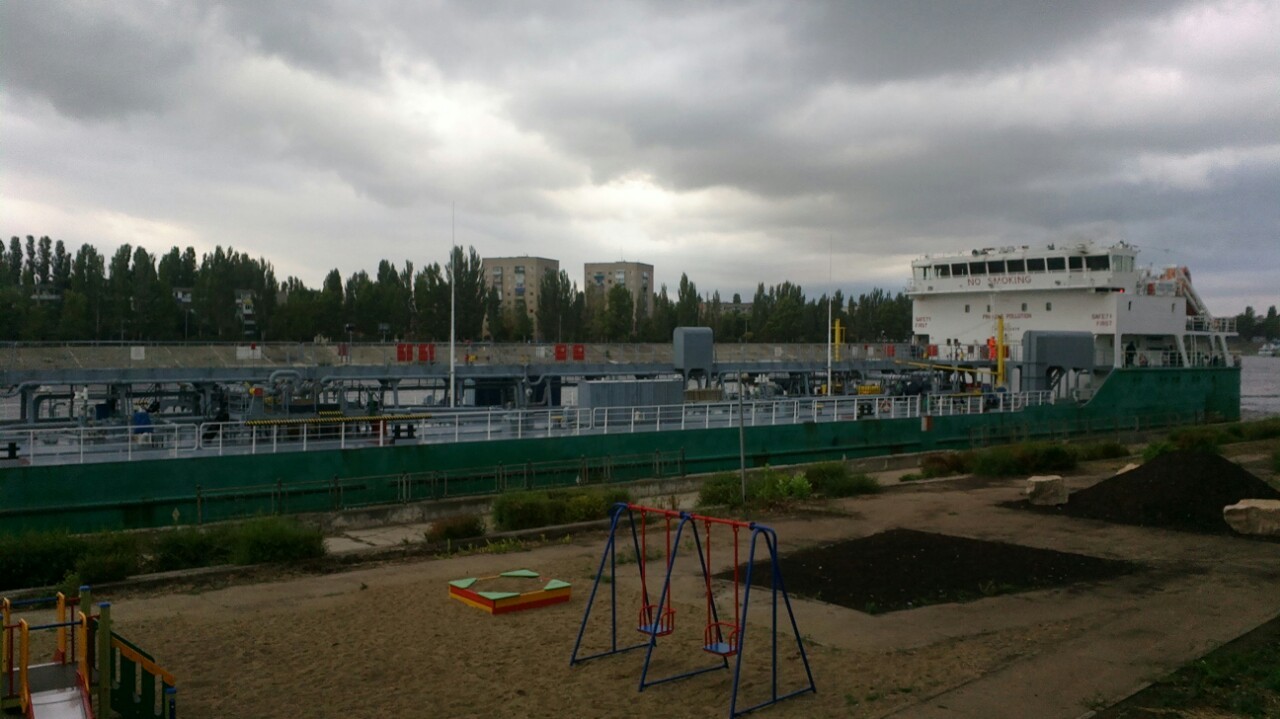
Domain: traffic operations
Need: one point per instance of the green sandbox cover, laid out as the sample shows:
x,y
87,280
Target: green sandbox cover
x,y
498,595
463,583
523,573
556,584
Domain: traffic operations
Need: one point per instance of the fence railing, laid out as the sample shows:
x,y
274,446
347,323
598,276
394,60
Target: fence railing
x,y
79,445
342,493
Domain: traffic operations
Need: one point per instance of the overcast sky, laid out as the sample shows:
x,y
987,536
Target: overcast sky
x,y
739,142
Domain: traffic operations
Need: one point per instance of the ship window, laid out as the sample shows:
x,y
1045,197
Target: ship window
x,y
1097,263
1024,306
977,268
959,269
1131,305
1076,262
924,272
988,308
1056,264
1048,307
943,270
1017,266
966,309
1036,264
996,267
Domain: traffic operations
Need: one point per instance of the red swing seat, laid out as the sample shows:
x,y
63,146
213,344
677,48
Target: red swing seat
x,y
655,625
721,639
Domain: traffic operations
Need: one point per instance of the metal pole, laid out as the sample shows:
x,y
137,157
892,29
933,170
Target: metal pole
x,y
742,443
453,317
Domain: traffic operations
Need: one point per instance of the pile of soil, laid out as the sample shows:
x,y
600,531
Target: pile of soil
x,y
1178,490
904,568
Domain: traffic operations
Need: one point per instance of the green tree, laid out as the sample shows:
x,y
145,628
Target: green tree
x,y
619,314
555,307
14,259
687,304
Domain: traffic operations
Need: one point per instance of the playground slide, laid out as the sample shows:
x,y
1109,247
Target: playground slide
x,y
59,704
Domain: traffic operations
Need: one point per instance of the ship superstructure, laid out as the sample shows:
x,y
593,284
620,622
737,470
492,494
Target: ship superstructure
x,y
1137,316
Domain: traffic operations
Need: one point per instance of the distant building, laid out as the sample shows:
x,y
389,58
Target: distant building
x,y
518,281
637,277
245,312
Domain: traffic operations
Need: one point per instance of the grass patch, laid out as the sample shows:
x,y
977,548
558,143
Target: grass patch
x,y
274,539
765,488
1099,450
189,547
833,479
41,559
530,510
1241,679
110,557
459,526
1024,459
37,559
1155,449
946,464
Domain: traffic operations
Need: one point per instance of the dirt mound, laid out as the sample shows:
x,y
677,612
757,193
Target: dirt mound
x,y
904,568
1178,490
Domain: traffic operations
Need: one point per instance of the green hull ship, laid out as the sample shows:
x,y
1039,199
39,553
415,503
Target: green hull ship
x,y
85,497
1101,348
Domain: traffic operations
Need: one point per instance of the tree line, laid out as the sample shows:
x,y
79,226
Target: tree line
x,y
1250,325
47,293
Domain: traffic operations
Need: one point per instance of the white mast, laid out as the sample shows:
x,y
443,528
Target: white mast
x,y
830,297
453,292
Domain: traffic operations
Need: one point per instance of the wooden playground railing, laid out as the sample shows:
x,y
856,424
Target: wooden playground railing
x,y
131,683
125,679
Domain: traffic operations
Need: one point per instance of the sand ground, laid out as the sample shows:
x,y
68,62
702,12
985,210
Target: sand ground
x,y
385,641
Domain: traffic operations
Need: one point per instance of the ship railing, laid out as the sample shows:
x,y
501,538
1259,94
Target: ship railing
x,y
76,445
1205,323
92,444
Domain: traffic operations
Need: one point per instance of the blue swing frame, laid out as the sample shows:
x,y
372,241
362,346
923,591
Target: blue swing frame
x,y
777,587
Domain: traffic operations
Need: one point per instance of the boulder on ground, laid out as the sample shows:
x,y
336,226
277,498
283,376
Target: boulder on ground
x,y
1259,517
1049,490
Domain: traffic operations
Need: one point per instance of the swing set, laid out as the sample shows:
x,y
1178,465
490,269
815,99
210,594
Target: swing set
x,y
721,637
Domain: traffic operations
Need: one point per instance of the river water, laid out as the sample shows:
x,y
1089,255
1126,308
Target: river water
x,y
1260,387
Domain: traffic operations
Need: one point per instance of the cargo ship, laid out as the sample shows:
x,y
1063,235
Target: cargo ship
x,y
1009,344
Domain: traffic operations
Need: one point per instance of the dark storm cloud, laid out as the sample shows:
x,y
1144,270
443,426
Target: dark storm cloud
x,y
738,141
93,60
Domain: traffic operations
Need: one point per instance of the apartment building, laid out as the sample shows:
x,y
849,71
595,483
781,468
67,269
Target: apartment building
x,y
518,281
637,277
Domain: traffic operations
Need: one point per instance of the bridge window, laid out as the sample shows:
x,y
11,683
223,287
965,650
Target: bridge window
x,y
977,268
1076,263
943,270
996,267
1016,266
1056,264
1035,264
1097,263
959,269
1048,307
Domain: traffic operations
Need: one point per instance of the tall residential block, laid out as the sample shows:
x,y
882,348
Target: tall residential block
x,y
518,281
637,277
